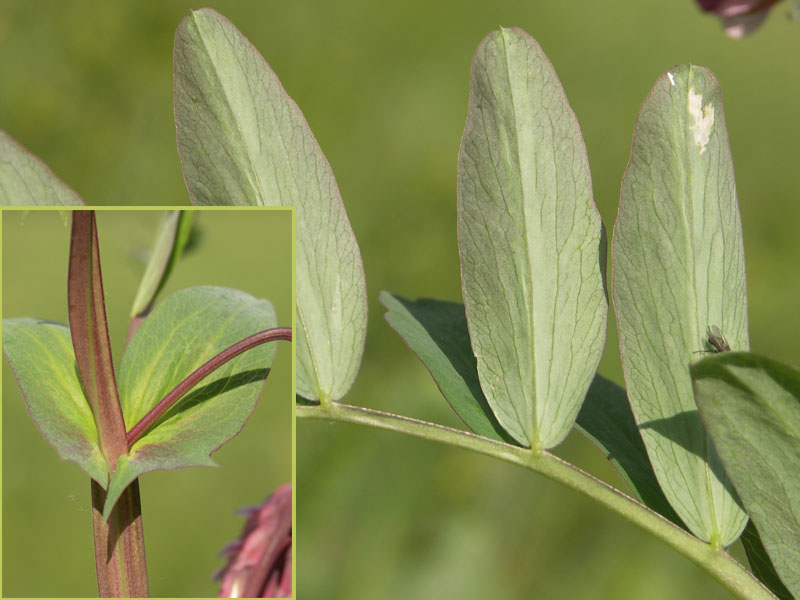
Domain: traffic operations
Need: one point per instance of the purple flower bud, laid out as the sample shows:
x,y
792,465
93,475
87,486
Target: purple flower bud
x,y
739,17
260,560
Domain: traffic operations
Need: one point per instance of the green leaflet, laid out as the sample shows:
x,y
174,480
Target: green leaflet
x,y
172,237
751,408
26,180
40,354
182,333
243,141
436,331
531,242
678,269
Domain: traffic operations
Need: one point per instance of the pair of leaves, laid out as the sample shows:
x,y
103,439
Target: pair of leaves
x,y
679,273
533,267
183,332
243,141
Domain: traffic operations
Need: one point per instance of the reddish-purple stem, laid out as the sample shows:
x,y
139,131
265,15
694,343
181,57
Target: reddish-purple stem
x,y
118,541
168,401
89,332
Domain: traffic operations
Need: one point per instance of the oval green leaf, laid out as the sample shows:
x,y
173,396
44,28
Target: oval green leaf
x,y
751,408
531,242
27,181
243,141
183,332
678,269
41,356
171,239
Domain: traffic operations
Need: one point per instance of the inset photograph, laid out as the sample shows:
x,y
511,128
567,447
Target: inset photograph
x,y
139,344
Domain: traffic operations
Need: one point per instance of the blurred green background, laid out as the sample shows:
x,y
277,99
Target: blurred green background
x,y
87,87
189,514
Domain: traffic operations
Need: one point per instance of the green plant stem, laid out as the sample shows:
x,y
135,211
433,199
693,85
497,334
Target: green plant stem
x,y
721,565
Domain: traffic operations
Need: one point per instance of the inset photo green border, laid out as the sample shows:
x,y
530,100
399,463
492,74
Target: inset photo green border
x,y
180,287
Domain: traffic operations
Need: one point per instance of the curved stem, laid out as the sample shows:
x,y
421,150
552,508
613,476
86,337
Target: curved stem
x,y
168,401
721,565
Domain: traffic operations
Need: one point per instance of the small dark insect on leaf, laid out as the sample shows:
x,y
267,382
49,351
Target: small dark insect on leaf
x,y
717,340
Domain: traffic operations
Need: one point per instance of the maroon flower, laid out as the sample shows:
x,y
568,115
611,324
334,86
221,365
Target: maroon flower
x,y
739,17
260,561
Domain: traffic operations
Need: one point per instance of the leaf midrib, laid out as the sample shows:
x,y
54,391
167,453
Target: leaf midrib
x,y
689,220
257,189
534,429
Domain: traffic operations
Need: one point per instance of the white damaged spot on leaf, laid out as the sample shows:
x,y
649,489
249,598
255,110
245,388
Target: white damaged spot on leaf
x,y
671,78
703,119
